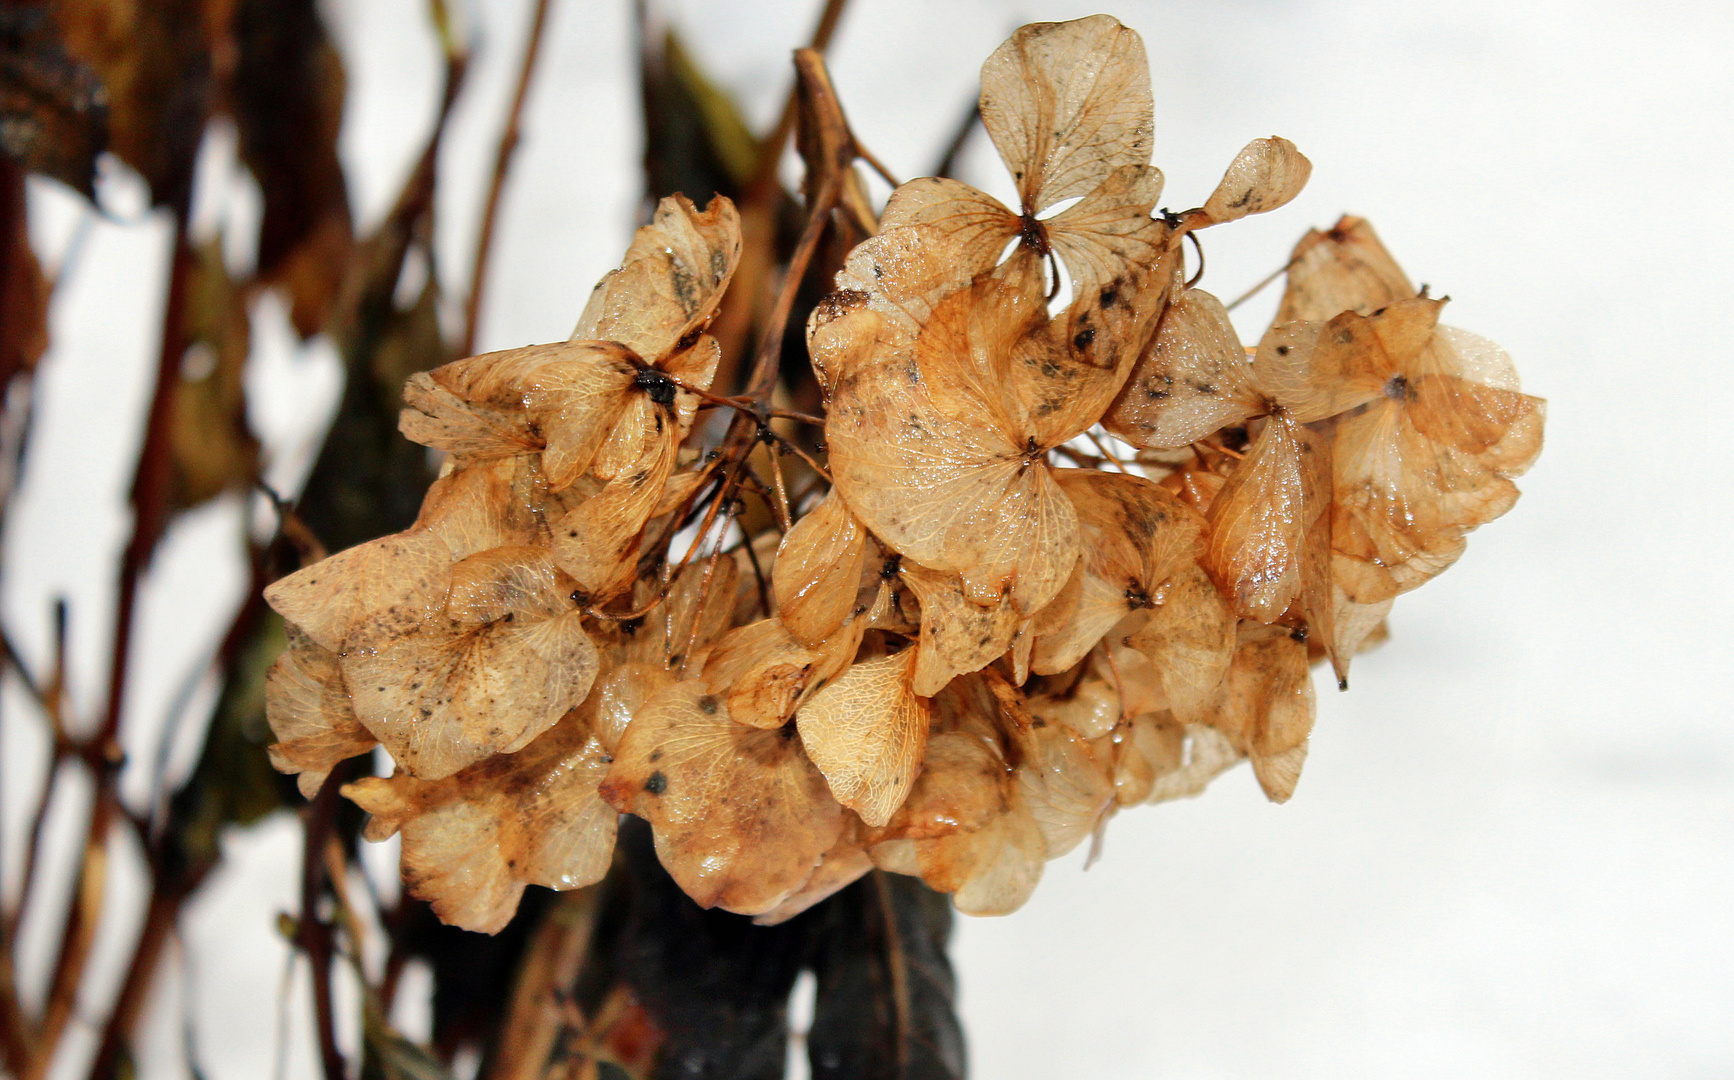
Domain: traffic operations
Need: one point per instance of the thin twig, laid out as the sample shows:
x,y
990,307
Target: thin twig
x,y
1300,251
771,149
509,137
947,164
313,935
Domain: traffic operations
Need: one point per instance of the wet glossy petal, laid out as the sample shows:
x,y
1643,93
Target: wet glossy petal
x,y
741,817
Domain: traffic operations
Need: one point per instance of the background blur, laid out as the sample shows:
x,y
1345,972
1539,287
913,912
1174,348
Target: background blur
x,y
1512,852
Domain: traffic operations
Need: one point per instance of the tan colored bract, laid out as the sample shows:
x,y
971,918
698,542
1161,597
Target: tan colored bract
x,y
1065,556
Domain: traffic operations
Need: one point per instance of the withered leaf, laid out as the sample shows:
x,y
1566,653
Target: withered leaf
x,y
883,1005
210,445
741,816
473,840
53,115
866,731
154,62
286,92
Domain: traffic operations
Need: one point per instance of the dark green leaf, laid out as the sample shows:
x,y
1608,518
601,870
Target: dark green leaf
x,y
885,1009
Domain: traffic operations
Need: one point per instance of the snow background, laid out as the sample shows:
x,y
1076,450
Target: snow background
x,y
1512,852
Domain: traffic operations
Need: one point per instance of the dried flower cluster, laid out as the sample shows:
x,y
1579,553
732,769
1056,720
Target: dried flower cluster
x,y
981,631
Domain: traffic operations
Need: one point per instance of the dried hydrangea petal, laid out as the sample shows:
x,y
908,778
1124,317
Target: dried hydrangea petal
x,y
308,710
472,841
1066,104
1266,174
740,816
379,590
865,731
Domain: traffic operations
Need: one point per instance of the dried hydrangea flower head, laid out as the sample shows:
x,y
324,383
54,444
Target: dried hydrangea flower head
x,y
971,642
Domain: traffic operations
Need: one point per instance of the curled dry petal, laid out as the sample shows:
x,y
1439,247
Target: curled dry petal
x,y
1193,381
1266,174
741,817
308,710
510,659
379,590
1266,707
617,697
761,672
958,636
943,473
1344,268
434,416
1135,537
818,567
961,786
670,282
1207,753
598,541
1066,104
499,503
866,731
841,867
472,841
1189,638
1265,536
989,870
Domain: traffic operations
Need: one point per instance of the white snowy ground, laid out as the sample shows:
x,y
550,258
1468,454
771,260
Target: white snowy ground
x,y
1512,853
